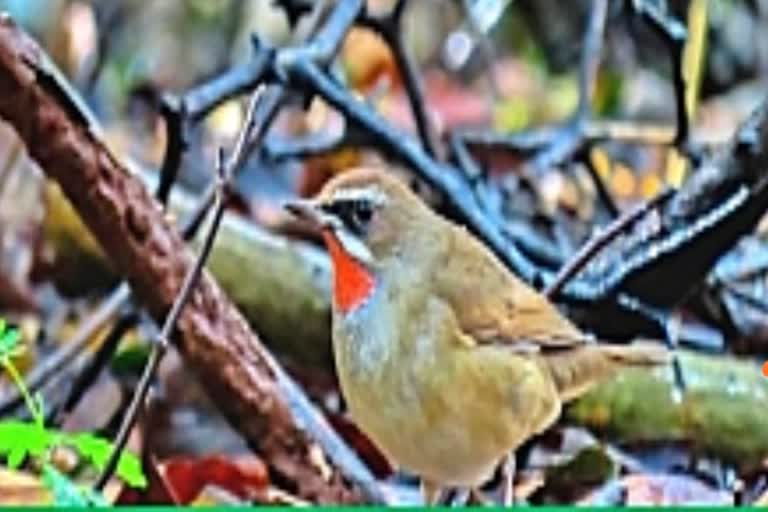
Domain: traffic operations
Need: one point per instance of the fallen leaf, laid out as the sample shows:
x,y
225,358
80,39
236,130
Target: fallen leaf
x,y
671,490
243,476
20,488
156,492
589,467
215,496
659,490
368,60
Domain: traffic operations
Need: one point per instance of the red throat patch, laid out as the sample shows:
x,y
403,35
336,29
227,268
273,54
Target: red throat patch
x,y
352,283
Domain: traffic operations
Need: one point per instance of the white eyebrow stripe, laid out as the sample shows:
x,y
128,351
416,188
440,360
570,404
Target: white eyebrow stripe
x,y
354,246
371,193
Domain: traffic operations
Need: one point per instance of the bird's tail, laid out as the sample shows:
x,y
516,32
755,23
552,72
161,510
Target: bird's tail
x,y
576,371
637,354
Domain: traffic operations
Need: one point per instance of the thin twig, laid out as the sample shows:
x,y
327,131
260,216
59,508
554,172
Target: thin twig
x,y
109,17
280,148
174,112
570,138
223,174
395,144
596,130
390,28
605,197
162,342
315,16
70,349
486,49
674,35
93,368
753,302
629,131
590,57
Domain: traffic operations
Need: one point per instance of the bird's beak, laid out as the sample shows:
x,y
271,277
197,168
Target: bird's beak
x,y
309,211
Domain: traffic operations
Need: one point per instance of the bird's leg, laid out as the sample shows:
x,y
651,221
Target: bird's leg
x,y
508,489
672,335
670,322
476,497
430,491
462,497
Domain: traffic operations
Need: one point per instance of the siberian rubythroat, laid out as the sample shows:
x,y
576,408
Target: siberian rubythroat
x,y
447,361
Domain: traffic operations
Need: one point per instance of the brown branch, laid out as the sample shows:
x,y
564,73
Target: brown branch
x,y
212,336
162,341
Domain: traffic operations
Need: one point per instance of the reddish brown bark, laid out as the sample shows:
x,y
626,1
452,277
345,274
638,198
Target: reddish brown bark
x,y
128,223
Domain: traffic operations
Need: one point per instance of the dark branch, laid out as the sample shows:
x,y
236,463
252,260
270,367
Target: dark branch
x,y
590,57
390,29
250,135
674,35
596,244
68,350
93,368
400,146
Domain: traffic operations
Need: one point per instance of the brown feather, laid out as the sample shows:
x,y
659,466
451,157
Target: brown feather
x,y
455,361
577,370
493,305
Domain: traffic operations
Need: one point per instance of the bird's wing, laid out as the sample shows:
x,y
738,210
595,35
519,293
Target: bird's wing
x,y
494,306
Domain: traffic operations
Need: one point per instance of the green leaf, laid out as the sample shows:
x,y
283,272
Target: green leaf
x,y
19,439
9,340
98,451
16,456
130,360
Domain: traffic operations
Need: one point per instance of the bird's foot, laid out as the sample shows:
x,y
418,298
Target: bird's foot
x,y
431,492
508,491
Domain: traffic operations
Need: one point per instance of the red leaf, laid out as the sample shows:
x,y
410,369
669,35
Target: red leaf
x,y
245,477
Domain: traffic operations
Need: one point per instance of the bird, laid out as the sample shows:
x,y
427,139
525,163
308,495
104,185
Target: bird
x,y
446,360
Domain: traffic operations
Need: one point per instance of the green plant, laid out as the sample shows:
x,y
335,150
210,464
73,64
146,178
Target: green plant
x,y
19,439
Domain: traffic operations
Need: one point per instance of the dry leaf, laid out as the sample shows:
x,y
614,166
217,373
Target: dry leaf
x,y
20,488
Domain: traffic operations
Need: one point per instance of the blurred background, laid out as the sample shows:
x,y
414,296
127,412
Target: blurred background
x,y
504,66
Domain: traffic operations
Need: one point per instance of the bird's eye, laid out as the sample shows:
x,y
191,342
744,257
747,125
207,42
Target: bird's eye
x,y
355,214
361,214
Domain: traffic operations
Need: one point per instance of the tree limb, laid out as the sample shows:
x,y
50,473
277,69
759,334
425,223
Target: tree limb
x,y
213,337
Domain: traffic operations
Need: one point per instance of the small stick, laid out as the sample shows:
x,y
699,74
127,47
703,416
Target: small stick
x,y
92,369
486,50
69,350
390,29
590,57
162,342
